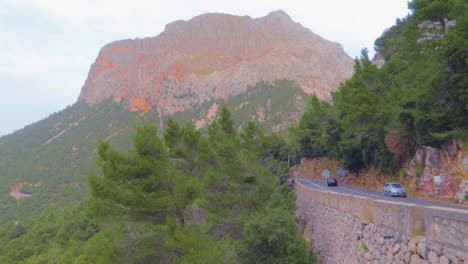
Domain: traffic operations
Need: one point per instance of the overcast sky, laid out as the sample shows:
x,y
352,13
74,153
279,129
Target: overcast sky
x,y
47,46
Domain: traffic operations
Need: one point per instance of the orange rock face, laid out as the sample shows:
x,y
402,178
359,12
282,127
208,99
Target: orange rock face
x,y
214,56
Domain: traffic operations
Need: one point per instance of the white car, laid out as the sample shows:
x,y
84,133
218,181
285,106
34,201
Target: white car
x,y
394,189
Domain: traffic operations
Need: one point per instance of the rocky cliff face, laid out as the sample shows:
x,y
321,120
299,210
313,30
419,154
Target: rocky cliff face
x,y
440,172
214,56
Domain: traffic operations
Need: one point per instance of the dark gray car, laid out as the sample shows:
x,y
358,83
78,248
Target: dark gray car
x,y
331,182
394,189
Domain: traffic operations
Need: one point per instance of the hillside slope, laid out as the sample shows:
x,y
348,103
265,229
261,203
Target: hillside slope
x,y
49,160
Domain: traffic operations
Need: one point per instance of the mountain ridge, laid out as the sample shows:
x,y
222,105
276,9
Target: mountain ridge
x,y
214,56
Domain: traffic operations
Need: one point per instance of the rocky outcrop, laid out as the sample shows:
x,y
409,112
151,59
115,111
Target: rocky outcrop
x,y
214,56
440,172
434,30
378,60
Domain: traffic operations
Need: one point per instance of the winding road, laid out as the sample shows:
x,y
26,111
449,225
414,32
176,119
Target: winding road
x,y
344,189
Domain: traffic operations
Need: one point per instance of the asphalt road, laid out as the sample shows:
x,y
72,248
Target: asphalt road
x,y
345,189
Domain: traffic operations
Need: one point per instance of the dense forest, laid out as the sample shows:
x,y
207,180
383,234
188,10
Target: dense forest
x,y
418,97
182,195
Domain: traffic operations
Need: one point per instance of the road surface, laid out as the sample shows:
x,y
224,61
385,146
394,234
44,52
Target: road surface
x,y
345,189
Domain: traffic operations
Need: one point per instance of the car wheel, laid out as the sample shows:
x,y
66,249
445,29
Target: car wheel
x,y
384,193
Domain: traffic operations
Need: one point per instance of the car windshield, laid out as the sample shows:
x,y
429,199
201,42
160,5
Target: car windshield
x,y
396,185
331,180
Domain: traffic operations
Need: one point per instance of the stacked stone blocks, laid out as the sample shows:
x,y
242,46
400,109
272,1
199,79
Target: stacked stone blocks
x,y
355,229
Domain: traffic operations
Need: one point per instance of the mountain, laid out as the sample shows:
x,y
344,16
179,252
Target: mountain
x,y
261,69
214,56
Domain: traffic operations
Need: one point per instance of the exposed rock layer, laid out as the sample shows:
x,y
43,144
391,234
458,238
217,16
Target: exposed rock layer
x,y
214,56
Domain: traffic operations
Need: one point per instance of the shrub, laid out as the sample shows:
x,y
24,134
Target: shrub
x,y
364,247
402,173
418,169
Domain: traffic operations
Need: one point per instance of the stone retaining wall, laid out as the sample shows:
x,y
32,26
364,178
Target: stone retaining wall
x,y
355,229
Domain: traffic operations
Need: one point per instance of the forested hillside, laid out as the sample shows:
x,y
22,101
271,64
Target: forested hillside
x,y
183,197
418,97
53,156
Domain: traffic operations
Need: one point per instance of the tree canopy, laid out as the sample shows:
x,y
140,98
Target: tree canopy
x,y
419,96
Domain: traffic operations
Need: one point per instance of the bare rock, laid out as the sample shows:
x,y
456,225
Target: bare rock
x,y
451,147
399,257
434,246
432,257
378,60
196,215
415,259
443,260
404,248
412,246
367,256
397,237
407,257
433,157
213,56
464,163
422,249
396,248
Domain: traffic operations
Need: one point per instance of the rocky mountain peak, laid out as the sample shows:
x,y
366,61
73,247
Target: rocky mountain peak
x,y
214,56
279,15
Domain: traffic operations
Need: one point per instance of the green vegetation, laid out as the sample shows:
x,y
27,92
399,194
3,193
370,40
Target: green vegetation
x,y
62,164
52,236
364,247
418,169
402,173
276,100
217,195
183,197
419,96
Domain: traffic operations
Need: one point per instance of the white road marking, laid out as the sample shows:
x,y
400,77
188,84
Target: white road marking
x,y
319,186
326,189
354,191
379,195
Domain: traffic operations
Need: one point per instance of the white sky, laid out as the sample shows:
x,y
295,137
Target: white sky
x,y
47,46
